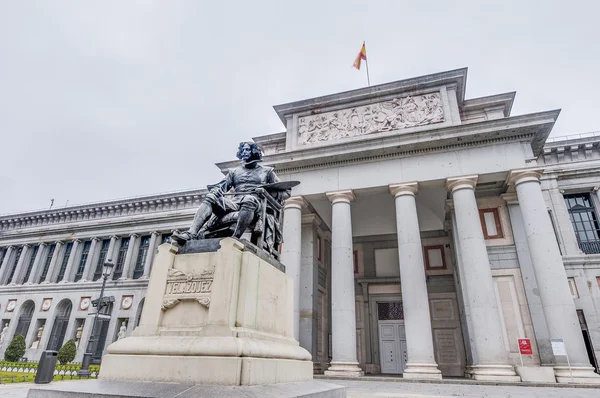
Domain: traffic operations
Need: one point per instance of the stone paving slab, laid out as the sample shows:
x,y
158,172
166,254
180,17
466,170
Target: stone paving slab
x,y
395,379
127,389
383,389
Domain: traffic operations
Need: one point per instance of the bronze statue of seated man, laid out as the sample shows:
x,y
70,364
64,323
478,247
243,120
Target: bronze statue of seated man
x,y
240,198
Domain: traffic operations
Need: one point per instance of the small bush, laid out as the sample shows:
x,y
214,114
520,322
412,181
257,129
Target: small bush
x,y
67,352
16,349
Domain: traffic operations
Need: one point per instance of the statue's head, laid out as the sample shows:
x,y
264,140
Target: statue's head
x,y
249,152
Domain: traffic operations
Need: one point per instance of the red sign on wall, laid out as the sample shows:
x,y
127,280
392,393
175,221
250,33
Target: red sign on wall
x,y
525,346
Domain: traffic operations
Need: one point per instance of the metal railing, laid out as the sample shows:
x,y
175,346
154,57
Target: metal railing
x,y
590,247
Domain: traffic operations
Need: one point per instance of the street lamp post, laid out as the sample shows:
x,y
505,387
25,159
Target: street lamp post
x,y
87,357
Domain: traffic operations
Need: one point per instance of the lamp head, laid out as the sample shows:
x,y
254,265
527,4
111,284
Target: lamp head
x,y
108,267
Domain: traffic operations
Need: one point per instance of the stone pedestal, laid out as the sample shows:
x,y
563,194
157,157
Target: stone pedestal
x,y
228,311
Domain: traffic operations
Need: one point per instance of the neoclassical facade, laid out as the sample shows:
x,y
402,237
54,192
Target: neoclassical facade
x,y
428,234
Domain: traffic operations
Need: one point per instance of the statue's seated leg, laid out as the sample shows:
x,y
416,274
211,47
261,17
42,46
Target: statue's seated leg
x,y
249,207
206,209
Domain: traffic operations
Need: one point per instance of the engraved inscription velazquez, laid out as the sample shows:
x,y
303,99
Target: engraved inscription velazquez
x,y
395,114
190,286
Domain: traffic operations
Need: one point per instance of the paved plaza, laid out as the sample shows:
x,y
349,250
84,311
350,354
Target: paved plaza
x,y
382,389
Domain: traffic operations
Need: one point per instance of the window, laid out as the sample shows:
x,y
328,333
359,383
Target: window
x,y
165,238
355,259
47,263
65,261
101,259
138,271
2,253
435,257
490,223
390,311
585,222
14,265
85,252
30,263
319,248
121,259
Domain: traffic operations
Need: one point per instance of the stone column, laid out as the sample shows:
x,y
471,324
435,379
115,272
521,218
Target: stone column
x,y
71,262
150,257
551,277
20,264
291,254
538,319
35,269
4,268
53,263
90,261
417,320
343,317
129,257
491,361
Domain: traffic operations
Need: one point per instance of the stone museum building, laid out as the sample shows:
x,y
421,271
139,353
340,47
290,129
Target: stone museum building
x,y
428,234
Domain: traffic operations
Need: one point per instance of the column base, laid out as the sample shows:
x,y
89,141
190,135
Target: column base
x,y
428,371
494,373
581,375
348,369
536,374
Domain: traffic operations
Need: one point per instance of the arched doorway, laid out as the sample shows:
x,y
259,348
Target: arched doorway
x,y
61,321
25,315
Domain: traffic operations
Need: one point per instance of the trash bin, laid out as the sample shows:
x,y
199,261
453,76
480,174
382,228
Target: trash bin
x,y
45,370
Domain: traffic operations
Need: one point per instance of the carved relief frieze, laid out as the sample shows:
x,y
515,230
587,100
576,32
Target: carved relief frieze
x,y
181,286
395,114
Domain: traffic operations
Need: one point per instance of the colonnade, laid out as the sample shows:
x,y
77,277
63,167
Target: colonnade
x,y
489,355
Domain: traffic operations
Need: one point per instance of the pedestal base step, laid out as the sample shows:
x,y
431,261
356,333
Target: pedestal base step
x,y
123,389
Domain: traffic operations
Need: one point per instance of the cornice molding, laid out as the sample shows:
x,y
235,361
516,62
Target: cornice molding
x,y
103,211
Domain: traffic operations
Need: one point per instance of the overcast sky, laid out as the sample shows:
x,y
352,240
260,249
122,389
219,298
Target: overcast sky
x,y
111,99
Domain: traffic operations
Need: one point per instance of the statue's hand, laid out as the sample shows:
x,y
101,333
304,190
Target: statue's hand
x,y
216,191
259,190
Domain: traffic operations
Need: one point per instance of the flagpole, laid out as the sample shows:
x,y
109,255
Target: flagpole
x,y
367,65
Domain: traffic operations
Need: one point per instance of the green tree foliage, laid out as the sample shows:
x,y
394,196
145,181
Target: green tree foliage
x,y
67,352
16,349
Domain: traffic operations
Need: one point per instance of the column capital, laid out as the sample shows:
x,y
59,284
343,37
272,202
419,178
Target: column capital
x,y
464,182
43,244
76,240
340,196
155,233
27,245
59,243
295,202
510,198
406,188
134,236
96,239
114,237
515,177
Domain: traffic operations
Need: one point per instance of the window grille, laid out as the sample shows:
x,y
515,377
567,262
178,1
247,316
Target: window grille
x,y
118,272
101,259
47,263
84,256
138,271
30,264
65,261
14,265
585,222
